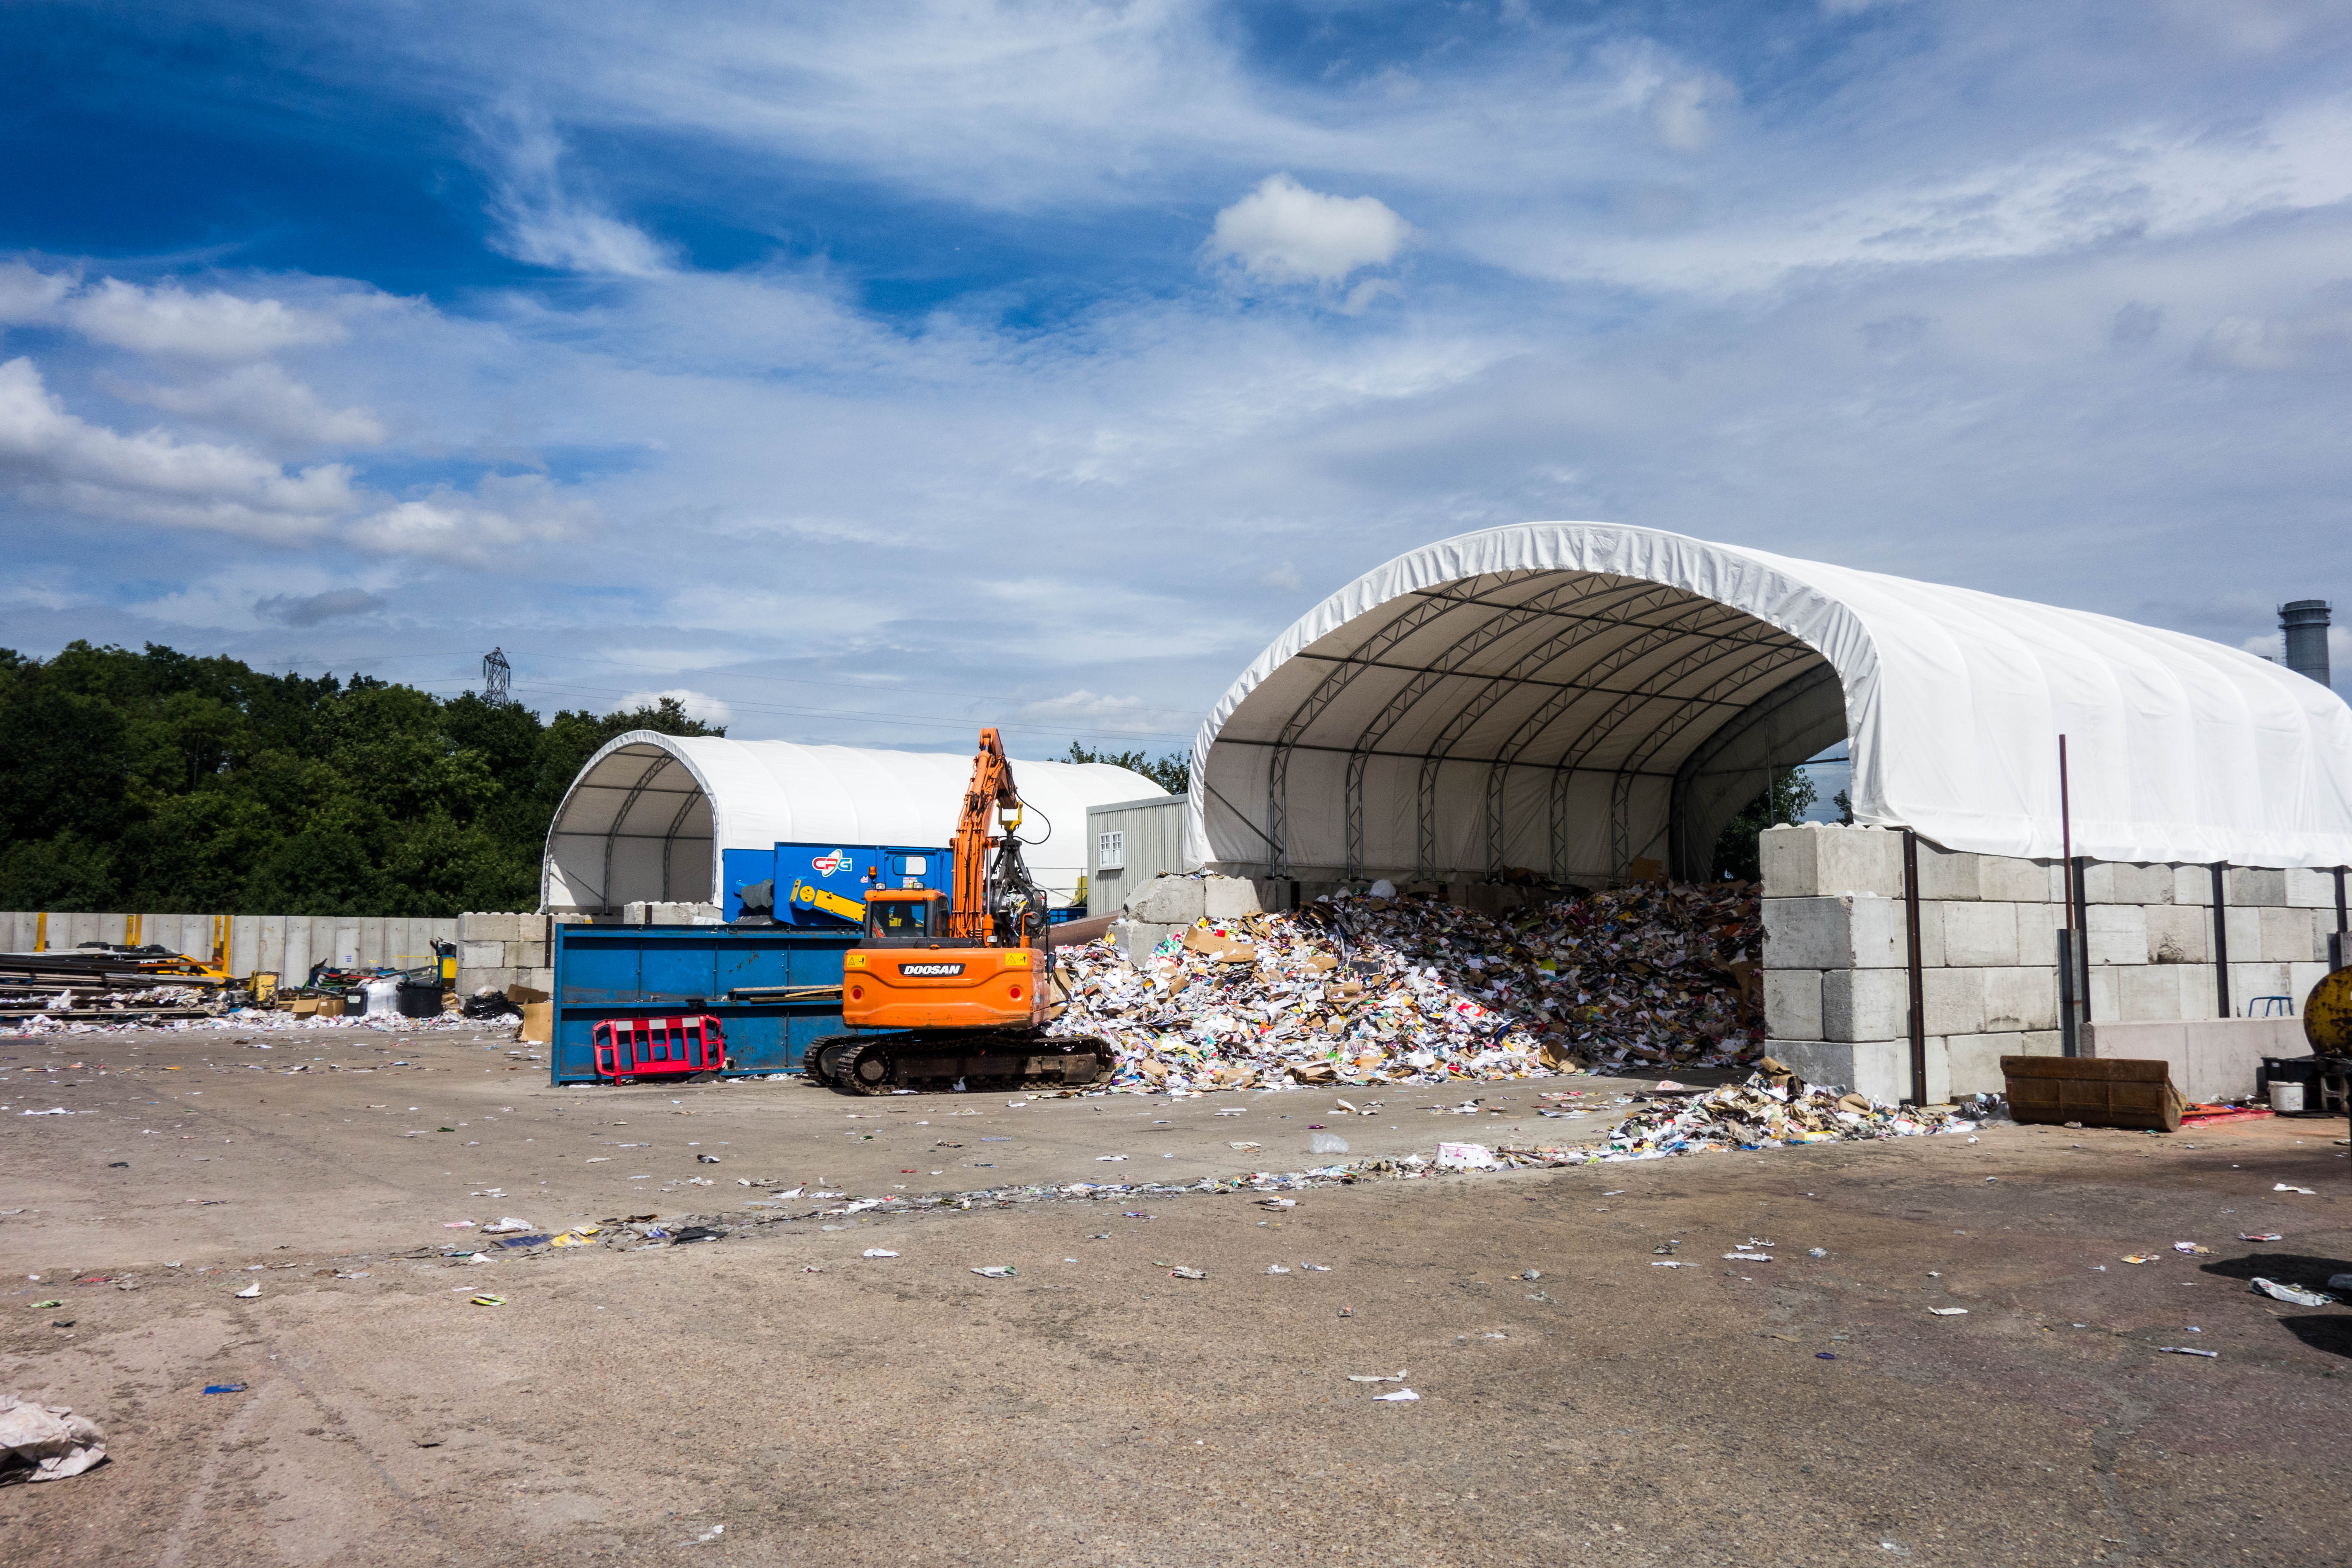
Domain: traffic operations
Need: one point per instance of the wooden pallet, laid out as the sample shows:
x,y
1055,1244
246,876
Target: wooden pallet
x,y
2098,1091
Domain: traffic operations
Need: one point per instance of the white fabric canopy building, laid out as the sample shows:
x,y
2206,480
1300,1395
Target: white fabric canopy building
x,y
651,816
1575,696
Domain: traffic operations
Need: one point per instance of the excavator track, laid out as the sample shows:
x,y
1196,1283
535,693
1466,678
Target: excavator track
x,y
938,1060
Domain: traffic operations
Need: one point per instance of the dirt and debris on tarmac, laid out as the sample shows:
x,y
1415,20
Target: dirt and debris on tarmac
x,y
1733,1356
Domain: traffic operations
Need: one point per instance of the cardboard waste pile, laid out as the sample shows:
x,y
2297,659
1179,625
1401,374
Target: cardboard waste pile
x,y
1775,1107
1360,989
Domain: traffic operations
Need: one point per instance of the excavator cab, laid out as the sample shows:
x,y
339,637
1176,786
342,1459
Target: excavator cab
x,y
908,917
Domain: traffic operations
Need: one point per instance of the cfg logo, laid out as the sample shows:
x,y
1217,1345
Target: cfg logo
x,y
826,865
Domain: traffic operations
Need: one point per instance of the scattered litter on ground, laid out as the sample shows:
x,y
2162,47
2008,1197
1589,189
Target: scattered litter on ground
x,y
45,1442
1182,1272
1402,1396
996,1271
250,1292
2190,1247
224,1388
2286,1187
2293,1294
878,1252
1949,1311
2184,1350
1376,1377
490,1301
2260,1236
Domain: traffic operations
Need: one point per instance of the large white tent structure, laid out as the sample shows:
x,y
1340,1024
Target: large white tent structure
x,y
1574,697
651,816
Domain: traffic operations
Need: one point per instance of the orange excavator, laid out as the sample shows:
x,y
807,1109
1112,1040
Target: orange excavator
x,y
946,993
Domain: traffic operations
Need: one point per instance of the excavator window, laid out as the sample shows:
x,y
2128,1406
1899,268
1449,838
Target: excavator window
x,y
897,922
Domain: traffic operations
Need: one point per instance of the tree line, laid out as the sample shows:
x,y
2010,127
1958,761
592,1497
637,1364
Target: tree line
x,y
164,781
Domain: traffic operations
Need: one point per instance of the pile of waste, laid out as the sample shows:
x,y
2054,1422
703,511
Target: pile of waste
x,y
1358,989
1775,1108
247,1019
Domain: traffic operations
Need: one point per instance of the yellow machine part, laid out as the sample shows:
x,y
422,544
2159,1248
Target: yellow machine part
x,y
832,903
2327,1015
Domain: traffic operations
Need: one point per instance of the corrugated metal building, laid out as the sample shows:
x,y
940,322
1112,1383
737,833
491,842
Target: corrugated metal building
x,y
1128,842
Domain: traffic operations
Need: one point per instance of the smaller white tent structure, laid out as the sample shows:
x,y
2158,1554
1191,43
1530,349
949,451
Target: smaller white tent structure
x,y
651,816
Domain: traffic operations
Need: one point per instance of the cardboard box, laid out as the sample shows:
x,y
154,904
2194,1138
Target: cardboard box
x,y
539,1023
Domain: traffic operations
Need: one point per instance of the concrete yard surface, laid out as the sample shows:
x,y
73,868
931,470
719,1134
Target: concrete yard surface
x,y
774,1396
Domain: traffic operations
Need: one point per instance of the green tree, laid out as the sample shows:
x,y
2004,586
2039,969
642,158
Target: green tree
x,y
1172,772
1738,852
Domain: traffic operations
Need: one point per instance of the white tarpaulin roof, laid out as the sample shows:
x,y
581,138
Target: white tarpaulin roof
x,y
1542,695
650,815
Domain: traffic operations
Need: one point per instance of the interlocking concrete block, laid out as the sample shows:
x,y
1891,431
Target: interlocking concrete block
x,y
533,954
481,955
540,978
2257,886
2147,884
1793,1003
2250,982
2199,999
1229,898
2192,885
2149,993
2243,927
491,926
1956,1001
2179,934
1864,1003
2099,882
1138,938
2291,936
1931,934
2106,992
1970,1064
1948,875
1878,1069
2021,998
2300,979
2118,933
1850,932
2013,881
1790,860
2307,889
1979,935
1169,901
530,928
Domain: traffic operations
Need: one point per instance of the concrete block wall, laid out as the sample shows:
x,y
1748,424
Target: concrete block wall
x,y
1836,978
285,945
498,949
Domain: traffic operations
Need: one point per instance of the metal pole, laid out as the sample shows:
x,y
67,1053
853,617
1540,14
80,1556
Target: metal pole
x,y
2222,936
2074,991
1918,979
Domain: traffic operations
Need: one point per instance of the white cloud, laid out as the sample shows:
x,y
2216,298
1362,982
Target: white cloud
x,y
1102,712
168,319
28,295
547,223
263,400
699,705
58,459
1285,232
310,609
1682,111
2317,334
504,514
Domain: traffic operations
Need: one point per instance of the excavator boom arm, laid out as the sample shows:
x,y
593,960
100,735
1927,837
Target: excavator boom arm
x,y
990,792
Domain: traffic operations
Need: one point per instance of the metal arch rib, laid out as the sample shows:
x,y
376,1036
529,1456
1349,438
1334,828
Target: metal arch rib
x,y
670,838
1653,635
621,818
1428,679
1425,609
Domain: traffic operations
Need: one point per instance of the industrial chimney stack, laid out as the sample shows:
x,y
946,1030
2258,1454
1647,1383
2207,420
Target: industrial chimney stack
x,y
2304,622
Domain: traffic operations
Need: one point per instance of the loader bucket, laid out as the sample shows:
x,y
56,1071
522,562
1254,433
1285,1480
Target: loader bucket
x,y
2098,1091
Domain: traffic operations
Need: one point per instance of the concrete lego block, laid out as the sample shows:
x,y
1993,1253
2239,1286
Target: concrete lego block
x,y
528,955
2149,992
2118,933
1229,898
481,955
2013,881
2209,1057
2149,884
540,978
1948,875
1793,1003
2257,886
2250,982
1846,932
2180,936
2290,936
2245,929
2099,882
1970,1064
2198,998
530,927
1169,901
2021,998
1979,935
2300,979
1931,934
1864,1004
1791,861
490,926
2107,993
1138,938
1955,1001
2307,889
1274,895
1879,1069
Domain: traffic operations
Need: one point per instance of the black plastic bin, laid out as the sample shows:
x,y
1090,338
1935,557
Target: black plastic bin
x,y
420,998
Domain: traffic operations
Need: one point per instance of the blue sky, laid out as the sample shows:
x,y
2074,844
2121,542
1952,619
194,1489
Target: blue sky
x,y
870,372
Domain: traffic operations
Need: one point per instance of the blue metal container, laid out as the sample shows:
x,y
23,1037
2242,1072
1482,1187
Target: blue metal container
x,y
841,870
631,971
